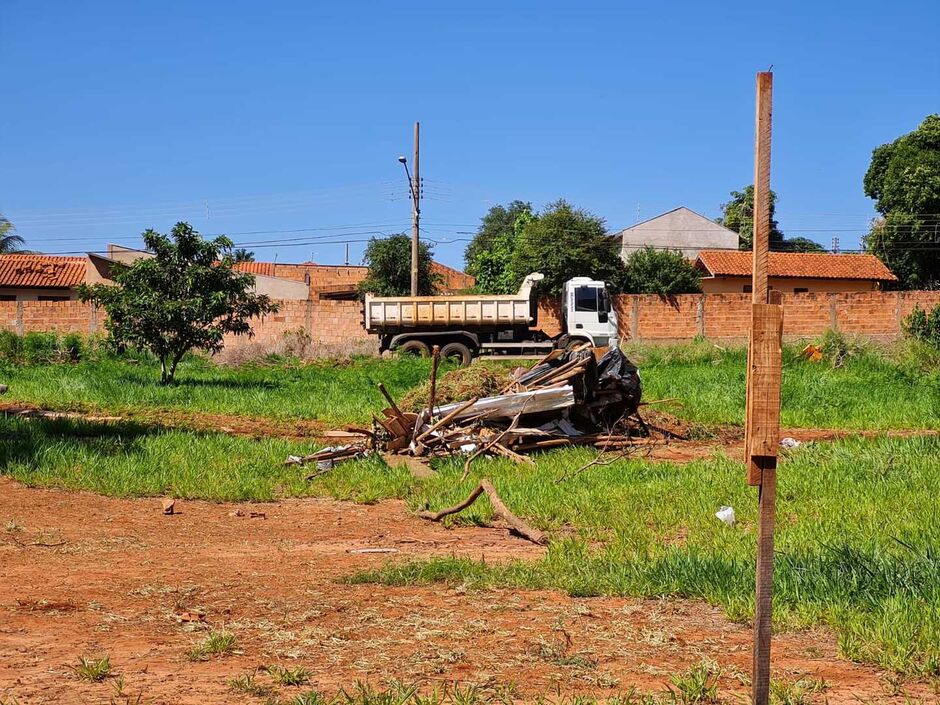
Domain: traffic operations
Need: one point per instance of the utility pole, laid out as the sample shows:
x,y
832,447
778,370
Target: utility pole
x,y
762,424
415,212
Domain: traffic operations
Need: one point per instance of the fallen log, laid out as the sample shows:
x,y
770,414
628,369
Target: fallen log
x,y
500,511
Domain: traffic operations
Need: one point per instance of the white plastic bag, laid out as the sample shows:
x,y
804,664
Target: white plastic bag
x,y
726,514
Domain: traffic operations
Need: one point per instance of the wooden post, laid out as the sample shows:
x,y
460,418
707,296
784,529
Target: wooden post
x,y
762,423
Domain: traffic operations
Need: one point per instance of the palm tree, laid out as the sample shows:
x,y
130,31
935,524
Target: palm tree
x,y
10,242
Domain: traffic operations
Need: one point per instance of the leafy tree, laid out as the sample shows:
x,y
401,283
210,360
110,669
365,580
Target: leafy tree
x,y
799,244
738,215
389,262
923,325
10,242
665,272
904,180
498,221
564,242
243,255
186,297
492,264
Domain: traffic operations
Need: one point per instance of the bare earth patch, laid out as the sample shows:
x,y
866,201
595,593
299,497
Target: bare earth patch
x,y
84,574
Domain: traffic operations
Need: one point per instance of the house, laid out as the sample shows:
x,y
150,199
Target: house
x,y
725,271
680,229
334,281
40,277
53,278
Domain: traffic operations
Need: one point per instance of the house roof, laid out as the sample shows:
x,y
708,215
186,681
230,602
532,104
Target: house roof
x,y
804,265
41,271
680,210
263,268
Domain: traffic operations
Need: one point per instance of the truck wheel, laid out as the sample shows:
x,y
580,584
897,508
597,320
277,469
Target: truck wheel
x,y
414,347
574,343
457,352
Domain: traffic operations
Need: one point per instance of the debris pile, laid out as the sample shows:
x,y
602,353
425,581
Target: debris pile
x,y
582,397
567,398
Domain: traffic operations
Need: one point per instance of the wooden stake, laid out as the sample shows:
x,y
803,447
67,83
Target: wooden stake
x,y
435,361
761,221
762,423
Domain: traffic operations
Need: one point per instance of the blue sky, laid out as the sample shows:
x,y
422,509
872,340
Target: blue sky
x,y
253,119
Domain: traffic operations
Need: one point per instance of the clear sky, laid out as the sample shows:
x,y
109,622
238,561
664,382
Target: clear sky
x,y
254,118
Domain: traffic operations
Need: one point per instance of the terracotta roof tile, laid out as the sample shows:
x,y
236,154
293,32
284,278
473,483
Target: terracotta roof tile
x,y
808,265
262,268
41,271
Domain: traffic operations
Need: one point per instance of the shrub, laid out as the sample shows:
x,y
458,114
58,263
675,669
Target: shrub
x,y
923,326
73,346
41,347
11,346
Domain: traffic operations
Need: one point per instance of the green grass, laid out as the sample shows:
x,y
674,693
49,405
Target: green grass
x,y
126,459
872,389
335,392
93,670
216,644
289,676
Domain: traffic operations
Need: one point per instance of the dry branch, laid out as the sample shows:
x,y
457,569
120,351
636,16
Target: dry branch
x,y
500,511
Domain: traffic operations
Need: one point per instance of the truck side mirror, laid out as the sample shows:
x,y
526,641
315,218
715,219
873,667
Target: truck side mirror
x,y
602,316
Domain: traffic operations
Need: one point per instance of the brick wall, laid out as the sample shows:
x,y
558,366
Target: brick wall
x,y
327,327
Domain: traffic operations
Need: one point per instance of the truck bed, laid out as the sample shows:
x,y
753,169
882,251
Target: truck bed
x,y
465,311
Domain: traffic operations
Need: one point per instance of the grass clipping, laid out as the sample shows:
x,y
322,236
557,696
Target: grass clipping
x,y
481,379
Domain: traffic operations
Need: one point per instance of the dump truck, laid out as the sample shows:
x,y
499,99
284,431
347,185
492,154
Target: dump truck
x,y
468,325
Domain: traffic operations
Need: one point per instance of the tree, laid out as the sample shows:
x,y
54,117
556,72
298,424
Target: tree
x,y
664,272
243,255
904,180
389,262
564,242
738,215
490,254
186,297
10,242
799,244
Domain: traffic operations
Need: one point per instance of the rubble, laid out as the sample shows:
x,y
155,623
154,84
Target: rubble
x,y
567,398
584,397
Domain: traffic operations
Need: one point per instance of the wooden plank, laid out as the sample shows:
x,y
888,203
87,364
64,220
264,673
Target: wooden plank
x,y
763,394
767,494
761,228
764,373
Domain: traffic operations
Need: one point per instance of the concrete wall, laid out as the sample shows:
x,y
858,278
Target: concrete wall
x,y
735,285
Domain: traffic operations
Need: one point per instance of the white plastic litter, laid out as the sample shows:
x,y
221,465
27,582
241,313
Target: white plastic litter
x,y
726,514
790,442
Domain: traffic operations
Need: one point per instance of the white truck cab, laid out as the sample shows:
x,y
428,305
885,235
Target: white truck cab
x,y
588,314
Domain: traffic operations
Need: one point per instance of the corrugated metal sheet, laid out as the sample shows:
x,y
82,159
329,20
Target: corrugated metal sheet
x,y
41,271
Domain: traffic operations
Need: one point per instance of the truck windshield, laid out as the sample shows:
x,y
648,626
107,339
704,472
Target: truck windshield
x,y
585,298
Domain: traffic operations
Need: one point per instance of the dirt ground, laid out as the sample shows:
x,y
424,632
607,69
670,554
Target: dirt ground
x,y
84,574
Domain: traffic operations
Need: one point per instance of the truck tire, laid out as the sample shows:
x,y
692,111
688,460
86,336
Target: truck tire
x,y
414,347
458,352
573,343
